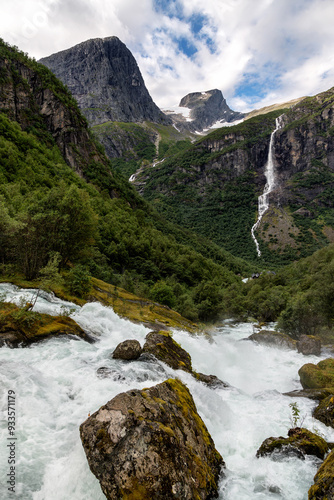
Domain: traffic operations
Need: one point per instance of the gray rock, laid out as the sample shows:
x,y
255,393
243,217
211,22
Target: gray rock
x,y
164,348
153,444
309,345
127,350
211,380
104,78
272,338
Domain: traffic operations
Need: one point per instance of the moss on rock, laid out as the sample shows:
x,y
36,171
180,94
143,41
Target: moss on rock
x,y
323,487
19,326
152,444
300,442
317,376
325,411
164,348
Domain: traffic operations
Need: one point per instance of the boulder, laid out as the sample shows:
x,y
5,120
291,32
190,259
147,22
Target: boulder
x,y
164,348
323,487
152,444
127,350
308,345
272,338
317,376
300,442
325,411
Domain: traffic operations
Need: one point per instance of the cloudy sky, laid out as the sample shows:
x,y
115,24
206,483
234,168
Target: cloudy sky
x,y
257,52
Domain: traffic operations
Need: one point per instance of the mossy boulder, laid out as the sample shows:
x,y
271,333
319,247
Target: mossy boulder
x,y
309,345
317,376
325,411
164,348
272,338
323,487
21,327
300,442
127,350
152,444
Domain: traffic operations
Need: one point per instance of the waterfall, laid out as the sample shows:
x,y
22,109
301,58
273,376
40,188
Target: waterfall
x,y
263,203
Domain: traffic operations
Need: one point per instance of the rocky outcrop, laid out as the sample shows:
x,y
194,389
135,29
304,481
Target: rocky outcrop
x,y
317,376
21,327
127,350
300,442
32,96
272,338
309,345
323,487
325,411
164,348
104,78
152,444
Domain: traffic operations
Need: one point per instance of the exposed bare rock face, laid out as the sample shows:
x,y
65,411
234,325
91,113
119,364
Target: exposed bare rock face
x,y
32,96
104,78
152,444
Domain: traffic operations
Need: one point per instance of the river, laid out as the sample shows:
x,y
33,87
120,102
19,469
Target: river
x,y
57,384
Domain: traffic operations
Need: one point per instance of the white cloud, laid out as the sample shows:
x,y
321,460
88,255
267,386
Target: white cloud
x,y
288,45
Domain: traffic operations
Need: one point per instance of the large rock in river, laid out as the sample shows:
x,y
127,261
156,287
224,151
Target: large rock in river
x,y
317,376
164,348
152,444
273,339
309,345
127,350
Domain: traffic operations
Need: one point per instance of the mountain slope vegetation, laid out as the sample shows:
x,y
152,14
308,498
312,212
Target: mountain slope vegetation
x,y
61,201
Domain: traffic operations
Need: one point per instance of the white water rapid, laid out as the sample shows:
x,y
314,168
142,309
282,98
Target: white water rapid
x,y
56,386
263,203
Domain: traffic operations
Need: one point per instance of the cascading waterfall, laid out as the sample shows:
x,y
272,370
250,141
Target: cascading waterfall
x,y
263,203
57,384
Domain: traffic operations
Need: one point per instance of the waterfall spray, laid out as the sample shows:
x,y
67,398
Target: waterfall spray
x,y
263,203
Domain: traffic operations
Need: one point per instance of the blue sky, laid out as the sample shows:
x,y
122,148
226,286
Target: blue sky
x,y
257,52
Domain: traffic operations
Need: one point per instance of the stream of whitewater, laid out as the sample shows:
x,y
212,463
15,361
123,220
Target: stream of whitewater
x,y
56,384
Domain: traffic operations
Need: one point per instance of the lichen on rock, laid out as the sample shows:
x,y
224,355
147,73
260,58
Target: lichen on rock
x,y
127,350
152,444
325,411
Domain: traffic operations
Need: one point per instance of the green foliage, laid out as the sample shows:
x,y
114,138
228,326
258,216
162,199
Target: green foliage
x,y
297,419
78,281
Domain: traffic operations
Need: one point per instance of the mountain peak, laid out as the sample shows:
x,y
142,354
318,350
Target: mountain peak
x,y
104,78
204,110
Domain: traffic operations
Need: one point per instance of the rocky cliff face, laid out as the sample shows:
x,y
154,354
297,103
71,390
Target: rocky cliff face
x,y
223,174
206,109
32,96
104,78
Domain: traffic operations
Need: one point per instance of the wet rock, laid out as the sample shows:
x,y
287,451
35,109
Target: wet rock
x,y
315,394
325,411
323,487
272,338
164,348
317,376
308,345
127,350
152,444
105,372
211,380
300,442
